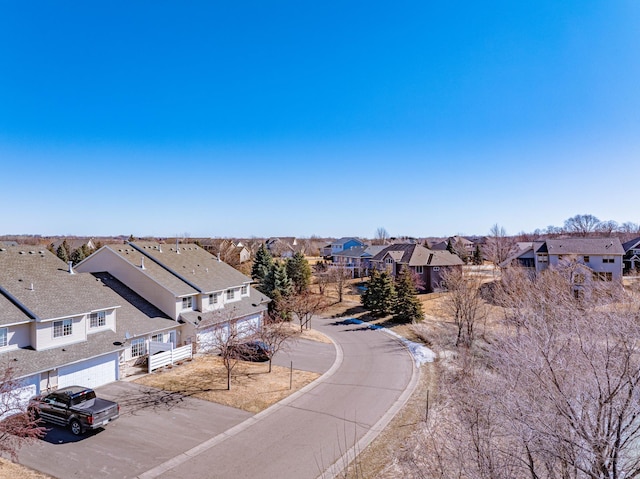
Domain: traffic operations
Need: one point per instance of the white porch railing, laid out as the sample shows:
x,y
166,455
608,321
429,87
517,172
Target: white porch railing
x,y
160,356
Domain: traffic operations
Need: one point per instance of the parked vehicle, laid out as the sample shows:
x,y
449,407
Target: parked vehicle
x,y
253,351
76,407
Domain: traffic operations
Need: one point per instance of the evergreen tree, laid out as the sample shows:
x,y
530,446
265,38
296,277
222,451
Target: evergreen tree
x,y
477,256
77,256
407,307
276,283
262,264
380,294
450,247
62,253
299,272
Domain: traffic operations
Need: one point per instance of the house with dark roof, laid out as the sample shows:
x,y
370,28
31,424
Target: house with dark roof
x,y
426,264
339,245
603,256
631,255
59,327
188,284
357,259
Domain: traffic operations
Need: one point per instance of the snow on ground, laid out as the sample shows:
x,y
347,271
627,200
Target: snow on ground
x,y
421,354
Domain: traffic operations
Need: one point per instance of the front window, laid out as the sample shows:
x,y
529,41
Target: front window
x,y
419,269
138,347
62,328
586,259
187,303
157,338
543,258
213,298
608,259
231,293
603,276
3,337
244,290
97,320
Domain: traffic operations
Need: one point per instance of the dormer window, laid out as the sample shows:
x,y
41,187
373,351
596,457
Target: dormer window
x,y
62,328
244,290
3,337
187,303
231,293
97,320
213,298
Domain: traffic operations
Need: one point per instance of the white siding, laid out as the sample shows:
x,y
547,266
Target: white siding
x,y
18,336
45,339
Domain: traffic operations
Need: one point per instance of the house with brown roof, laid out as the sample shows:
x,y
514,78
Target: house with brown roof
x,y
59,327
188,284
426,264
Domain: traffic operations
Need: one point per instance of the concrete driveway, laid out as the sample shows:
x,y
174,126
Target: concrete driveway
x,y
312,433
153,427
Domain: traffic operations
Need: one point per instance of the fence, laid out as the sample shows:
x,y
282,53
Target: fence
x,y
163,354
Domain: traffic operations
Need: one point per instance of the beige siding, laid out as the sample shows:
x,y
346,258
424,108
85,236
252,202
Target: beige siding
x,y
18,336
45,339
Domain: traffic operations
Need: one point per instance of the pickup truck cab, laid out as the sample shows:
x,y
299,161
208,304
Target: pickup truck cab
x,y
75,407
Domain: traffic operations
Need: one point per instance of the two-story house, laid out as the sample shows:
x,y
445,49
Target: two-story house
x,y
186,283
603,256
631,255
59,327
426,264
339,245
356,259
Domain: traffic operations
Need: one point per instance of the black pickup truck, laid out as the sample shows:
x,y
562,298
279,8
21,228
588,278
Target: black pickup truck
x,y
76,407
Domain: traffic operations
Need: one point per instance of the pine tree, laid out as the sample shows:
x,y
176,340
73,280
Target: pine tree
x,y
77,256
450,247
61,253
477,256
276,283
407,307
262,264
299,272
380,294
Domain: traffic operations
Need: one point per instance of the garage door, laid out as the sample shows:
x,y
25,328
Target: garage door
x,y
17,400
91,373
209,339
248,326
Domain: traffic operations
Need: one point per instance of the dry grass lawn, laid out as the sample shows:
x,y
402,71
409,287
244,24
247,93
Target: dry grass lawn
x,y
253,388
11,470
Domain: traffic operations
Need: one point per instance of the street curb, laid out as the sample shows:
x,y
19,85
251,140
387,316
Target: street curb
x,y
343,462
209,443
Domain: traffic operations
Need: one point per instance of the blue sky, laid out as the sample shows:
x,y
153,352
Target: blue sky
x,y
329,118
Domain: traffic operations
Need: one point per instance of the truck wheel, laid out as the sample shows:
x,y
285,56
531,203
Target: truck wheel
x,y
76,427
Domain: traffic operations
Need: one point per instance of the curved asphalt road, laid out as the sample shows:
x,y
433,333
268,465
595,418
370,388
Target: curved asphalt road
x,y
314,433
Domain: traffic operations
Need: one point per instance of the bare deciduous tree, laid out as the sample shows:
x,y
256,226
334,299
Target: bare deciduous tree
x,y
381,237
18,426
337,277
304,306
554,396
581,225
463,303
499,246
275,334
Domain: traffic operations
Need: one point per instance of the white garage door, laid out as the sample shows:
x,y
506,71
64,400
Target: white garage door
x,y
17,400
209,339
91,373
248,326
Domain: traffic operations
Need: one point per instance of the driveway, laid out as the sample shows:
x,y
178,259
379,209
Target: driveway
x,y
166,435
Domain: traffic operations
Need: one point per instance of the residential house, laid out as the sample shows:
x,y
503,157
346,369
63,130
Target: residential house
x,y
426,264
59,327
603,256
187,283
631,255
231,252
283,247
339,245
356,259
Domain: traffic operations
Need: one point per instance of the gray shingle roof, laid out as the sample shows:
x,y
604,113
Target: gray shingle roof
x,y
55,293
195,265
631,244
597,246
255,303
417,255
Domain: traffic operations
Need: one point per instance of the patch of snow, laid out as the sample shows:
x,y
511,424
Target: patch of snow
x,y
421,354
